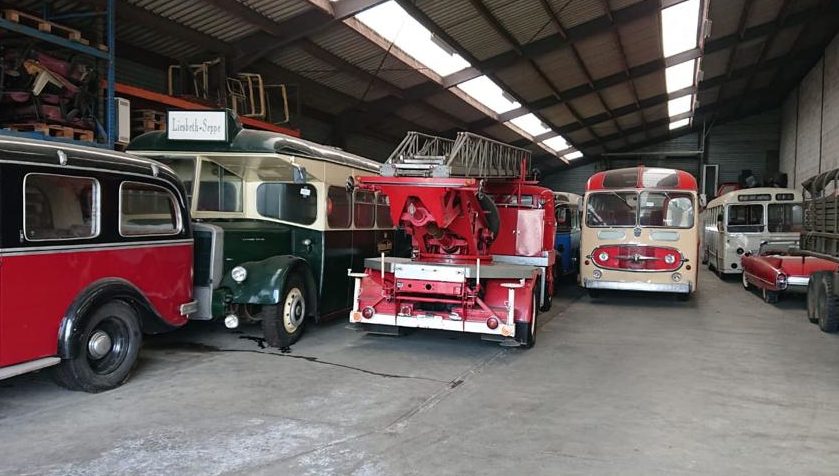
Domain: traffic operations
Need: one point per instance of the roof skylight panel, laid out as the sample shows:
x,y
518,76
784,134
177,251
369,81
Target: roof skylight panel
x,y
680,76
394,24
531,124
680,27
679,124
573,155
556,144
679,105
486,92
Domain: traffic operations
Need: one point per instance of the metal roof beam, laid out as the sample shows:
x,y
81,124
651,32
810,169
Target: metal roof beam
x,y
277,35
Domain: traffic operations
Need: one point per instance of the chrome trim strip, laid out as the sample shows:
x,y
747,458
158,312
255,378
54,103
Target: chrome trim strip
x,y
32,365
628,286
798,281
91,247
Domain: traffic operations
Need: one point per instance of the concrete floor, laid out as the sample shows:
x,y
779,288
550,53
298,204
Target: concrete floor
x,y
636,384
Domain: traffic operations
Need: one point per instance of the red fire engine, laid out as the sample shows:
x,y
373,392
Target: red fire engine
x,y
482,242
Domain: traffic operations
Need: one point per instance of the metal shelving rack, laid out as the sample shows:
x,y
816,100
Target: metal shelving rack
x,y
107,56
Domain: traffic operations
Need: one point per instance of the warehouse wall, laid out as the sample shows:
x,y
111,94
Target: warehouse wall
x,y
749,143
810,121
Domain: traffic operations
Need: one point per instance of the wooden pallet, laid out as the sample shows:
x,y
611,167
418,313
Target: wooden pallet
x,y
147,120
47,26
55,130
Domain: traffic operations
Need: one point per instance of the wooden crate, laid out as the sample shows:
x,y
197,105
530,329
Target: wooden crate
x,y
147,120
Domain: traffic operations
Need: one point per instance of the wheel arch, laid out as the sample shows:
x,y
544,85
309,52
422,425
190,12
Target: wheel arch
x,y
96,295
266,280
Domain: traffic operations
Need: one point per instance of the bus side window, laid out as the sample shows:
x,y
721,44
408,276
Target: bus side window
x,y
365,209
338,209
720,222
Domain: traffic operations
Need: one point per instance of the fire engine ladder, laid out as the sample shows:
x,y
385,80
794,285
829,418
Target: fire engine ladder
x,y
469,155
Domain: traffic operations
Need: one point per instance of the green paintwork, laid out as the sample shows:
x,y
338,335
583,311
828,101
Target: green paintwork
x,y
265,280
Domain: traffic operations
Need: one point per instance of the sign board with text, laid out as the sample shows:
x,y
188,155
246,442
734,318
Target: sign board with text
x,y
197,126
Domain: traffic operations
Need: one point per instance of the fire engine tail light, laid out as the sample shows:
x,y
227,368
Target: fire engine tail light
x,y
492,323
368,312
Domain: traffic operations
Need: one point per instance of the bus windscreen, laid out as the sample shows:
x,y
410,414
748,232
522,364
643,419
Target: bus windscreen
x,y
785,217
647,209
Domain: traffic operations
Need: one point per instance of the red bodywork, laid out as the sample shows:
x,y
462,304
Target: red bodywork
x,y
37,288
763,270
449,222
645,178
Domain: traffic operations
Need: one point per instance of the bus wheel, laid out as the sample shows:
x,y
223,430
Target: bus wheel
x,y
109,342
549,299
283,323
529,330
827,304
812,297
770,297
593,293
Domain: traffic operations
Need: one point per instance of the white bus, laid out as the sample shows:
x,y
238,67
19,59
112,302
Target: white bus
x,y
739,221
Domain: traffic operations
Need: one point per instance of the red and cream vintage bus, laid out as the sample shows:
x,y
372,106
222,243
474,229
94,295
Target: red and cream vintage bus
x,y
640,231
95,250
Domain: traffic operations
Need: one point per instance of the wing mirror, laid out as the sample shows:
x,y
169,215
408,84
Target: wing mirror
x,y
298,173
703,200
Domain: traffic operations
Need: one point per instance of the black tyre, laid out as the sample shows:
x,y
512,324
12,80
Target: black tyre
x,y
812,297
549,298
770,297
528,329
827,305
683,297
283,324
593,293
109,342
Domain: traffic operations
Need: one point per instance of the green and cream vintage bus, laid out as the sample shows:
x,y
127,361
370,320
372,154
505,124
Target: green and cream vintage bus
x,y
277,221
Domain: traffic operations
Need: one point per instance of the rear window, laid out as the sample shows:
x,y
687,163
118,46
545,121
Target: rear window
x,y
147,210
365,209
292,202
60,207
621,178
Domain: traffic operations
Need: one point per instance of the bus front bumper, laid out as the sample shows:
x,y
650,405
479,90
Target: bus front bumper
x,y
634,286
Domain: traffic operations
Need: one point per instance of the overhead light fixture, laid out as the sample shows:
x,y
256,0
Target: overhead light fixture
x,y
679,105
679,124
680,27
486,92
396,25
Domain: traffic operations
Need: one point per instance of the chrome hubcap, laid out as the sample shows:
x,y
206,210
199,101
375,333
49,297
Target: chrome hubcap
x,y
294,310
99,344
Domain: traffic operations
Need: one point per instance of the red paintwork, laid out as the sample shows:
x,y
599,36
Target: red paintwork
x,y
685,181
637,258
36,290
763,270
446,222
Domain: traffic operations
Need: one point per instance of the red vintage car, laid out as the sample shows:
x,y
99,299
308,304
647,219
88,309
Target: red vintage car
x,y
779,268
95,250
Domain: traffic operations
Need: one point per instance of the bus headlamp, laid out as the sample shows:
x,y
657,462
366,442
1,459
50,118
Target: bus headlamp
x,y
238,274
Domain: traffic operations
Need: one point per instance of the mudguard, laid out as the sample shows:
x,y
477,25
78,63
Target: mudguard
x,y
96,295
266,279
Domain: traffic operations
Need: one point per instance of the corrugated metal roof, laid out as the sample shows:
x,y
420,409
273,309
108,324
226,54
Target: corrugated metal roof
x,y
630,120
558,115
726,17
650,85
601,55
464,24
642,40
618,95
151,40
279,11
560,66
763,11
200,16
450,103
578,12
526,20
523,79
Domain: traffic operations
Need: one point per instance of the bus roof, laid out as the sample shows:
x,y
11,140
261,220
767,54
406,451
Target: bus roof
x,y
642,178
253,142
759,194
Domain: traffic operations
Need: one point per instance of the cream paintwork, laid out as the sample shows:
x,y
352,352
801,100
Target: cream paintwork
x,y
321,174
721,246
687,244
